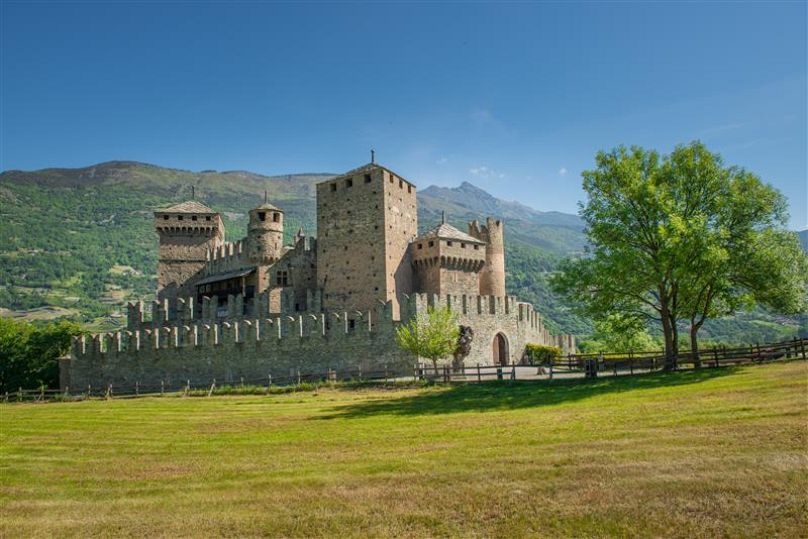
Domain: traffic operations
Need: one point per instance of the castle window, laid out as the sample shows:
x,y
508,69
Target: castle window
x,y
448,243
476,247
282,278
367,178
409,188
207,218
420,245
275,217
431,243
462,245
391,178
400,184
351,324
262,215
193,218
349,182
333,186
165,217
179,217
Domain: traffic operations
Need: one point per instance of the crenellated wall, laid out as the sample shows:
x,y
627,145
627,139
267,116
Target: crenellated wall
x,y
229,350
184,342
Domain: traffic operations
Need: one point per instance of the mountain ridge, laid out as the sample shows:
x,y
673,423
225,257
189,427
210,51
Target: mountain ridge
x,y
80,241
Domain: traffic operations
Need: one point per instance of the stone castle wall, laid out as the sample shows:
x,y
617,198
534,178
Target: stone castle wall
x,y
182,342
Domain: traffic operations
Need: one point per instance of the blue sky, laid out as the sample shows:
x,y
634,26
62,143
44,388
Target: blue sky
x,y
513,97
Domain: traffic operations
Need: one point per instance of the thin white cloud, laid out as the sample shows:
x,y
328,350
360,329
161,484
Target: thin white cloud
x,y
562,171
442,161
482,116
484,172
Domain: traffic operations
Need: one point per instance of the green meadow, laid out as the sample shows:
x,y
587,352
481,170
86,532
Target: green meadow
x,y
715,452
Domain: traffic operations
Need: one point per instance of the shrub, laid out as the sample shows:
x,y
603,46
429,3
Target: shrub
x,y
539,354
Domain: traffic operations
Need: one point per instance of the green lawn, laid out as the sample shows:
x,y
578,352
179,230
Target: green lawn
x,y
720,452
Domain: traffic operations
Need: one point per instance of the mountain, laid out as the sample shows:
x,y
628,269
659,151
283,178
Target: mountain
x,y
80,242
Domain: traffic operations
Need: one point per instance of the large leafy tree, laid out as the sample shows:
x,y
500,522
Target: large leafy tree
x,y
681,238
431,334
28,353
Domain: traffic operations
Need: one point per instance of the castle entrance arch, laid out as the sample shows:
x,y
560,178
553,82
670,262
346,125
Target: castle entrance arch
x,y
500,349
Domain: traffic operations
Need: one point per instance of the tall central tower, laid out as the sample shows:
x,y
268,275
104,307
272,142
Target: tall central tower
x,y
366,219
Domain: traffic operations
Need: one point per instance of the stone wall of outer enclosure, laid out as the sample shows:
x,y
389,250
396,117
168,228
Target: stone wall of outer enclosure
x,y
518,322
180,344
227,350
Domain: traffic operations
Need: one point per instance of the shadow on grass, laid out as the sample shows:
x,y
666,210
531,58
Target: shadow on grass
x,y
499,396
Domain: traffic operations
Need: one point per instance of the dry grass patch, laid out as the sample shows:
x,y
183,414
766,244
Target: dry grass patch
x,y
711,453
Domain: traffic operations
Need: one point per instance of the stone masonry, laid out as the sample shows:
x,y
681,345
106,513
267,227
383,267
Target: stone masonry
x,y
258,308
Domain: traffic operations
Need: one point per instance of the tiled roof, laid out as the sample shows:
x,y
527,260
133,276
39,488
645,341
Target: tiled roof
x,y
191,206
446,231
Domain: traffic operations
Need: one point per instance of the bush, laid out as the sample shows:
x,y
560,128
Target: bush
x,y
539,354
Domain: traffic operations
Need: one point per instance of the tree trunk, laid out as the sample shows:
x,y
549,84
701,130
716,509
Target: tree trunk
x,y
694,344
671,340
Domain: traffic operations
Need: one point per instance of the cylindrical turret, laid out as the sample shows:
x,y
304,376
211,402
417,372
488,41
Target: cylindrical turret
x,y
265,234
492,276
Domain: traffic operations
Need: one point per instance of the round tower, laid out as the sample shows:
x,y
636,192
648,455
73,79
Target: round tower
x,y
492,276
265,234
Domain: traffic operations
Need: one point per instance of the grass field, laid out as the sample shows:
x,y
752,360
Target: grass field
x,y
719,452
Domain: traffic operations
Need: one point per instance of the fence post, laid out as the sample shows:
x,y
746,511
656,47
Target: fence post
x,y
715,355
615,368
187,388
212,387
479,377
162,388
551,371
108,396
269,381
242,382
802,346
385,373
137,388
89,390
67,393
298,376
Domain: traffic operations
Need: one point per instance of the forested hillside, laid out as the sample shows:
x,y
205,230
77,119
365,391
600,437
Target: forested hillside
x,y
79,242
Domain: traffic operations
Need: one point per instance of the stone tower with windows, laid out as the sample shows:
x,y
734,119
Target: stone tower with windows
x,y
187,233
492,276
366,219
264,240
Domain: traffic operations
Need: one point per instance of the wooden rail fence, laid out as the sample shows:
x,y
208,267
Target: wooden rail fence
x,y
568,367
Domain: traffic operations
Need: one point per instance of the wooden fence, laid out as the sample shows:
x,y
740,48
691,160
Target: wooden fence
x,y
568,367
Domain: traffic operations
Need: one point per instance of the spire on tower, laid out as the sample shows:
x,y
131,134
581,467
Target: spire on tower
x,y
266,196
193,193
443,217
373,156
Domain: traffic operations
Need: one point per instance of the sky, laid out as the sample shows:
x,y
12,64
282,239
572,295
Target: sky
x,y
516,98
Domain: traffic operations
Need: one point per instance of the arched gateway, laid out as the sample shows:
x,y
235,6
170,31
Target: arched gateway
x,y
500,351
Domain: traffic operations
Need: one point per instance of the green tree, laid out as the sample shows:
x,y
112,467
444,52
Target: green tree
x,y
620,333
680,238
29,353
432,335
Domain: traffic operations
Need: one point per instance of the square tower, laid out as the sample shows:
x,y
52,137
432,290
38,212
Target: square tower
x,y
188,232
366,219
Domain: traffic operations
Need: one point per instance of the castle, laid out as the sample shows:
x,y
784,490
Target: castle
x,y
258,307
